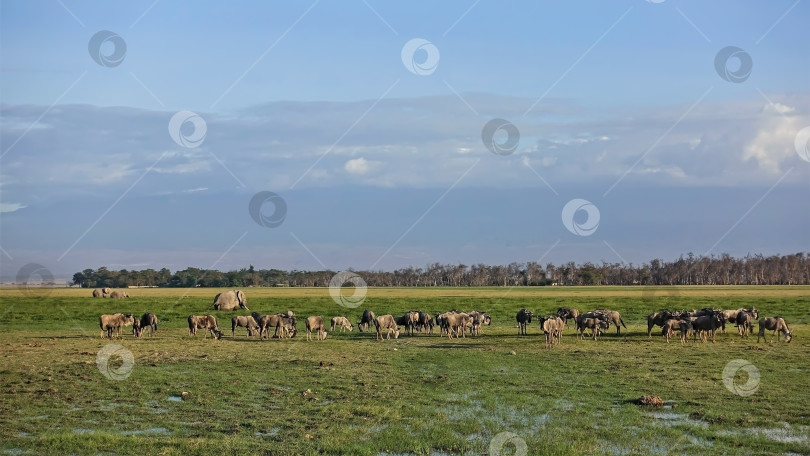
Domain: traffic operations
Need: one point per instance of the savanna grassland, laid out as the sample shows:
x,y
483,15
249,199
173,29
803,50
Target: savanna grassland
x,y
424,394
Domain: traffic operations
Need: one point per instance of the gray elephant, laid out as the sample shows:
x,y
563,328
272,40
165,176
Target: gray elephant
x,y
119,294
230,300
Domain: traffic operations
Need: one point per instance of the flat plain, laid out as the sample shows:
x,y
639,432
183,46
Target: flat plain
x,y
423,394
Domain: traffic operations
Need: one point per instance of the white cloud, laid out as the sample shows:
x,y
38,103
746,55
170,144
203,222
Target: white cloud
x,y
11,207
773,143
357,166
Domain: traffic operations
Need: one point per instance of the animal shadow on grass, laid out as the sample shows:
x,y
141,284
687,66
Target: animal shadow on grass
x,y
451,346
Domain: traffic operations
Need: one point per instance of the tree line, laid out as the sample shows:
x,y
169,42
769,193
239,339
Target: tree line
x,y
690,270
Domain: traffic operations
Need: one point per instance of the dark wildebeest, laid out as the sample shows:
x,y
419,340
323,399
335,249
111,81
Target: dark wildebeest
x,y
110,322
204,322
732,315
707,325
366,320
148,321
744,323
775,324
425,322
411,321
523,317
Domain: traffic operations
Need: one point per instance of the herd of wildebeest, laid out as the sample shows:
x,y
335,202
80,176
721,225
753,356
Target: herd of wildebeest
x,y
700,324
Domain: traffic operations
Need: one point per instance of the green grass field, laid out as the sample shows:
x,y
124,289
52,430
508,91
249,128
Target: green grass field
x,y
416,395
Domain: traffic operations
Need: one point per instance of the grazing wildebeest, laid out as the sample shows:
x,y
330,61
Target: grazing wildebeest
x,y
366,320
315,323
343,322
271,321
478,319
777,325
147,321
286,327
595,324
204,322
387,323
567,313
230,300
523,317
119,294
614,317
657,319
552,327
244,321
110,322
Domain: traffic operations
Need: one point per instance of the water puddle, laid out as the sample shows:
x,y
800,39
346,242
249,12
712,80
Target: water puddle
x,y
267,433
786,434
14,451
83,431
676,419
175,399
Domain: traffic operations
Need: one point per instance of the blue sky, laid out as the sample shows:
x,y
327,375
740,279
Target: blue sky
x,y
618,103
